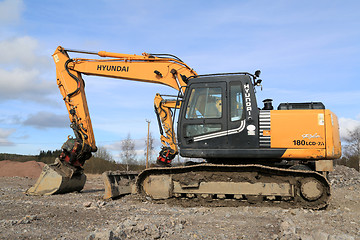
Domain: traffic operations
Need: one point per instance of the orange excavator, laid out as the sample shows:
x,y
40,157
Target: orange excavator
x,y
252,153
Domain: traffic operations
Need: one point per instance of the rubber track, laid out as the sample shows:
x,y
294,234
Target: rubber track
x,y
289,174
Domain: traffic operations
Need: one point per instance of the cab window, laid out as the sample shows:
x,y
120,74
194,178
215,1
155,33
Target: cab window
x,y
204,103
236,102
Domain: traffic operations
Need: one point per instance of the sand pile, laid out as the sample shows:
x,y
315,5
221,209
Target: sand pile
x,y
31,169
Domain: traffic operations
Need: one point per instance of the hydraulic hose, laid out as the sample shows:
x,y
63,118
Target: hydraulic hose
x,y
74,77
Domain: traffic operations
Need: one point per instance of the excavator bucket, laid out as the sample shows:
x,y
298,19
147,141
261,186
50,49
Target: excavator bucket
x,y
58,178
119,183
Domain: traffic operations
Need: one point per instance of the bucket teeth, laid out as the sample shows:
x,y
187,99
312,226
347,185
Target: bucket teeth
x,y
58,178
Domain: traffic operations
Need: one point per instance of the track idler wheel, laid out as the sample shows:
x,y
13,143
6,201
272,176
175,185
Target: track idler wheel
x,y
311,189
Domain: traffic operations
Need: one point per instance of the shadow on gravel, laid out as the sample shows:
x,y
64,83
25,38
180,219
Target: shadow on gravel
x,y
93,190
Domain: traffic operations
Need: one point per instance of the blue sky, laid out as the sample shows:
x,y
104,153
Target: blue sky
x,y
306,50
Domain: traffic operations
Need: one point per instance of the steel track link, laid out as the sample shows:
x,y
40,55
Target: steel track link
x,y
256,184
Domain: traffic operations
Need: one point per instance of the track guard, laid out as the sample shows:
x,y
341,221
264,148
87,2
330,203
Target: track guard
x,y
249,183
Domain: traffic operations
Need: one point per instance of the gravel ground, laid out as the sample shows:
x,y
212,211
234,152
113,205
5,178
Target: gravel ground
x,y
86,216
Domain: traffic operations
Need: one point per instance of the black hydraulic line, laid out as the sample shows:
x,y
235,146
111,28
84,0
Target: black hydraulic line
x,y
159,121
160,55
80,51
163,55
163,111
166,95
74,77
174,115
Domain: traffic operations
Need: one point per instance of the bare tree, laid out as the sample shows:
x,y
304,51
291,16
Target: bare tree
x,y
151,146
128,154
103,153
352,148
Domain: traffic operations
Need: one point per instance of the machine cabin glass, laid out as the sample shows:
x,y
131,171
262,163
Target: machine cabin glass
x,y
205,102
236,102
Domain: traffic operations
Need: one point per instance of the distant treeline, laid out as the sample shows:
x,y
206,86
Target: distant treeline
x,y
94,165
351,162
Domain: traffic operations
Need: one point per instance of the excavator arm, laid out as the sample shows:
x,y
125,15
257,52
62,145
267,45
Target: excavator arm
x,y
163,110
151,68
71,85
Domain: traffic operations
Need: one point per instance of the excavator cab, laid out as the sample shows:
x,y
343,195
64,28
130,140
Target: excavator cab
x,y
219,112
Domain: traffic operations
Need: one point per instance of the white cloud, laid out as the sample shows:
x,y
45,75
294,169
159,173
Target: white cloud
x,y
22,51
24,85
47,120
4,135
348,125
22,69
10,11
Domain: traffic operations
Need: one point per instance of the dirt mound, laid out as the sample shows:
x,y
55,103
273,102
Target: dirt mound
x,y
343,176
31,169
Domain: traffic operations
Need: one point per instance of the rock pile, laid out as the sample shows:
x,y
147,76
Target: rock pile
x,y
343,176
136,228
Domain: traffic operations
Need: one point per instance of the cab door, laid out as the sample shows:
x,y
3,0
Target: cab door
x,y
203,118
243,118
